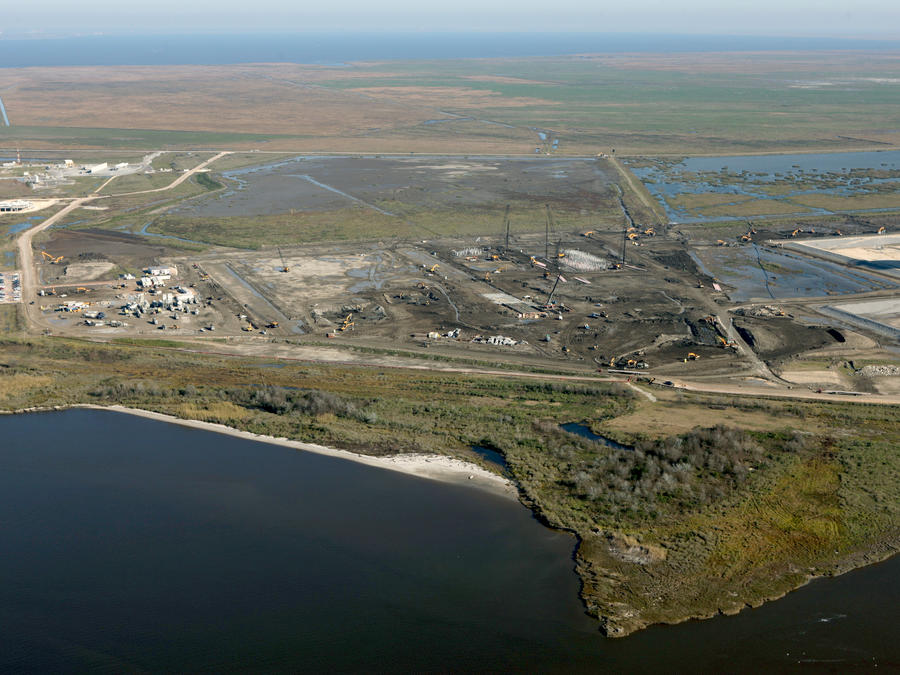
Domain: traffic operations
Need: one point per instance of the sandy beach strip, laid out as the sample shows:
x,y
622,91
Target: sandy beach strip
x,y
432,467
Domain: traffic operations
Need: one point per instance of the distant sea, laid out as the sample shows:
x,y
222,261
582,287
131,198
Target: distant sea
x,y
337,48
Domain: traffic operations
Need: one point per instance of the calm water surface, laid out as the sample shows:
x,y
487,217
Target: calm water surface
x,y
134,544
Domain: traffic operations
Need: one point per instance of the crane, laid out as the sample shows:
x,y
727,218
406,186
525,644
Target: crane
x,y
506,223
559,277
284,267
547,232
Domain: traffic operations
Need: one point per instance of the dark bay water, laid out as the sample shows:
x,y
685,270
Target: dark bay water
x,y
133,544
339,47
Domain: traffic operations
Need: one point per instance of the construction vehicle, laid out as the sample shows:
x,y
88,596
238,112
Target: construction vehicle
x,y
588,233
691,357
650,232
272,324
549,301
54,260
746,237
720,242
795,232
632,236
433,268
347,324
838,233
284,267
881,230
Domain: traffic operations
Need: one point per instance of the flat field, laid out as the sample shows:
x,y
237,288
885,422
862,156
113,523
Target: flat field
x,y
310,199
641,103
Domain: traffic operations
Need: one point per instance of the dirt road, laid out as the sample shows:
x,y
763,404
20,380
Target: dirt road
x,y
629,179
24,242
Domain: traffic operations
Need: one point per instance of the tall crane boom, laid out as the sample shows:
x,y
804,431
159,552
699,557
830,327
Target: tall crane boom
x,y
506,223
547,232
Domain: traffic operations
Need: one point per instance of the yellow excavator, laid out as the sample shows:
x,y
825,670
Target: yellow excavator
x,y
53,259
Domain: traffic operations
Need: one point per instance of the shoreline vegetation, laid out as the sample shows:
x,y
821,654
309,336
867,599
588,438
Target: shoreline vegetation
x,y
695,521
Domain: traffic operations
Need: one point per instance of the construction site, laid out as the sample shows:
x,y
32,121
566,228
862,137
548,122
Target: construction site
x,y
633,303
770,305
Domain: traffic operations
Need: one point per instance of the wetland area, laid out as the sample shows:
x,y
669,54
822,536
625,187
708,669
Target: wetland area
x,y
170,548
711,189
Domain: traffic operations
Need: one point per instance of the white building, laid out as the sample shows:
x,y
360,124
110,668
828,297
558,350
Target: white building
x,y
153,280
15,205
171,271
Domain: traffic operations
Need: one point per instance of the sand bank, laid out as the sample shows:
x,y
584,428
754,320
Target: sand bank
x,y
432,467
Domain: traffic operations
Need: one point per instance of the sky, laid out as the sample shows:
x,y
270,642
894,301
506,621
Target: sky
x,y
826,18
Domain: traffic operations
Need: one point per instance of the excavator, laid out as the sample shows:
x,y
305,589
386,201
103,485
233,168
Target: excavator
x,y
54,260
691,357
433,268
881,230
347,324
650,232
